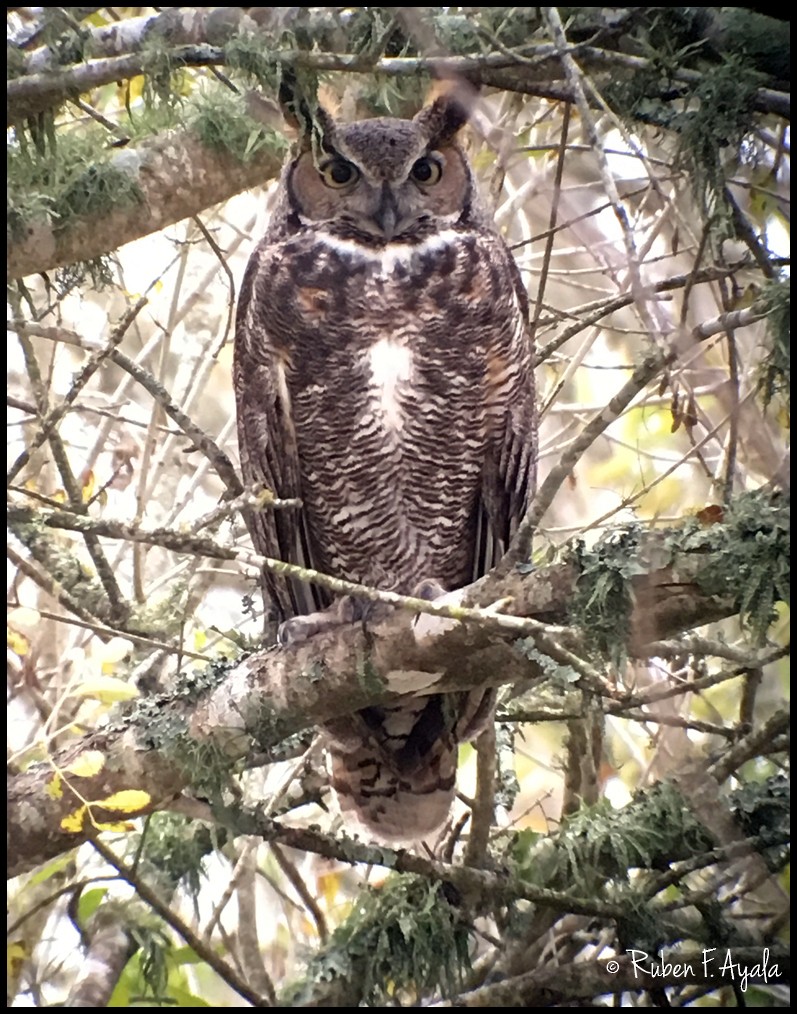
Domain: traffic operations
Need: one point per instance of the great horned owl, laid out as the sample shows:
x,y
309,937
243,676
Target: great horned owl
x,y
384,375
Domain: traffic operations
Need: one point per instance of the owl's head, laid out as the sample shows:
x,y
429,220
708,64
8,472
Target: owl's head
x,y
383,180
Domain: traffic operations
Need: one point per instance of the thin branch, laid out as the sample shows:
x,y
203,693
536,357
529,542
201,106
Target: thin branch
x,y
302,890
520,549
74,492
483,804
656,694
108,632
51,421
727,322
593,313
529,70
208,954
184,542
552,226
202,441
109,946
250,953
48,584
636,972
751,745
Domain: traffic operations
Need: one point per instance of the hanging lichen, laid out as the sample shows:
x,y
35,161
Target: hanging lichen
x,y
774,374
403,940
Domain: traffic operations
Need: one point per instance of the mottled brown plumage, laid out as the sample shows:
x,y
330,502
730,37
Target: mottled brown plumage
x,y
383,374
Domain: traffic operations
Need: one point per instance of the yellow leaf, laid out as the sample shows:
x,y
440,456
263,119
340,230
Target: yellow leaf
x,y
200,639
73,822
53,787
86,764
107,689
134,89
126,801
329,884
115,825
17,642
89,485
16,955
763,197
112,652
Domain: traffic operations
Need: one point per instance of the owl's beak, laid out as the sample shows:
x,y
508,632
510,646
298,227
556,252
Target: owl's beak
x,y
386,214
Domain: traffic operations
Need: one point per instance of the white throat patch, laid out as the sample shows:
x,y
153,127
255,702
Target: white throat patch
x,y
385,260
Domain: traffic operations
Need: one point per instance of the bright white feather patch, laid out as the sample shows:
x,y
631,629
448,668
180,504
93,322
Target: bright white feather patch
x,y
385,260
391,365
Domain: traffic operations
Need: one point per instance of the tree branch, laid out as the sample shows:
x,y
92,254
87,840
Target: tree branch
x,y
636,972
278,691
175,176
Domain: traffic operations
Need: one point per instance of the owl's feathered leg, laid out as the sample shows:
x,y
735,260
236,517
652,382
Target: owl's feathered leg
x,y
393,768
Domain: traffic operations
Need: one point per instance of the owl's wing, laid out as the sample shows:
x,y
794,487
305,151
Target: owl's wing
x,y
266,436
510,469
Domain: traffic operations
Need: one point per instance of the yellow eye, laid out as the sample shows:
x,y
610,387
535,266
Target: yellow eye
x,y
338,173
426,171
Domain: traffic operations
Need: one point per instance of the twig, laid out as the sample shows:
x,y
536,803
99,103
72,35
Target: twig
x,y
471,882
194,941
727,322
656,694
250,953
183,542
592,313
483,804
33,93
119,608
147,642
247,501
520,548
557,188
302,890
40,577
751,745
225,267
49,422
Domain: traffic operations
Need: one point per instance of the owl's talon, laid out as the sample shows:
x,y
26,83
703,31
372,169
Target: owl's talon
x,y
296,630
429,589
345,611
348,609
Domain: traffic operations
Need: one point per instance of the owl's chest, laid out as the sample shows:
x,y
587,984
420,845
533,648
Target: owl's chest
x,y
343,295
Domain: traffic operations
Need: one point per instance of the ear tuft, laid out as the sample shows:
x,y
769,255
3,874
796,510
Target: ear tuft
x,y
447,115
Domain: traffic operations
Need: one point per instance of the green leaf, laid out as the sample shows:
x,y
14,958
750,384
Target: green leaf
x,y
89,903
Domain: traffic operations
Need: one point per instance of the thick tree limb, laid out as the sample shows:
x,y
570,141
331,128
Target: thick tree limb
x,y
533,70
278,691
175,176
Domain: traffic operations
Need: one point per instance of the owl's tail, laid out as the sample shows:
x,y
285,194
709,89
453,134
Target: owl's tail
x,y
393,769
